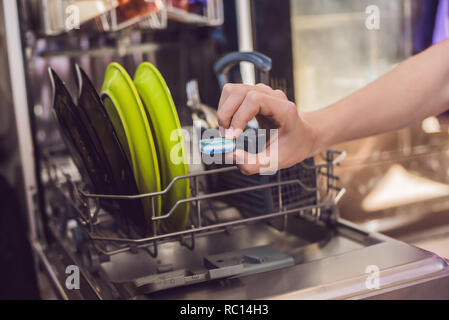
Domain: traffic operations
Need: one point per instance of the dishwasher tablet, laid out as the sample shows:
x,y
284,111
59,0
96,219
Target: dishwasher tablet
x,y
217,145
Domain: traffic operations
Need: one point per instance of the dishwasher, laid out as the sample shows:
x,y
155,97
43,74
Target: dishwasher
x,y
293,252
247,237
263,237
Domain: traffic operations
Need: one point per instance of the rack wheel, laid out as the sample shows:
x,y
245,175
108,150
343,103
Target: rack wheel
x,y
332,216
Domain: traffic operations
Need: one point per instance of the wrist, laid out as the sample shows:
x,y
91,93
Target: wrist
x,y
318,131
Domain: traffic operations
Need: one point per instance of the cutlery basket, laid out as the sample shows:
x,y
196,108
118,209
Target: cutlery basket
x,y
261,201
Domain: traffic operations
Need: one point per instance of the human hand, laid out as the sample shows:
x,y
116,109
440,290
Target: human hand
x,y
294,138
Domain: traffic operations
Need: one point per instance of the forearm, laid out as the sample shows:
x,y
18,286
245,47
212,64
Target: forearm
x,y
416,89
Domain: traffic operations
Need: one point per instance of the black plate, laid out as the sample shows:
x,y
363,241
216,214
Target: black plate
x,y
105,139
60,101
75,135
79,143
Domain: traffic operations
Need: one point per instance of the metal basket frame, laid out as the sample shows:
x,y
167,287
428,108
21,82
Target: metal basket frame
x,y
81,202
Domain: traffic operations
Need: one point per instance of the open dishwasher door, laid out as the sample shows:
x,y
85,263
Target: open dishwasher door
x,y
347,264
343,263
291,250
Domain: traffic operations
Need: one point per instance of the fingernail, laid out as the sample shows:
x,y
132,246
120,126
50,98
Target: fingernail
x,y
232,133
229,133
222,131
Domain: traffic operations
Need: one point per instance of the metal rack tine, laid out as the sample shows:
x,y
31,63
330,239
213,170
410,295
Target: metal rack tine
x,y
191,245
81,202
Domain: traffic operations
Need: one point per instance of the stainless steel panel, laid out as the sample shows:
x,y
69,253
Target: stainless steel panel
x,y
328,265
341,275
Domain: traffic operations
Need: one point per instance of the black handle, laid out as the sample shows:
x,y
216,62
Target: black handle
x,y
259,60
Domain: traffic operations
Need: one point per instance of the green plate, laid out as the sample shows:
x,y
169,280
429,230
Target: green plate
x,y
128,117
164,119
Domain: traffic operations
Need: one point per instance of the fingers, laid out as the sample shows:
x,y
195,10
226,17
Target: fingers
x,y
275,93
247,162
234,94
229,107
257,103
250,163
241,89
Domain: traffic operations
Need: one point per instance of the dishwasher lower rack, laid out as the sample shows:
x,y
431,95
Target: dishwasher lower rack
x,y
93,222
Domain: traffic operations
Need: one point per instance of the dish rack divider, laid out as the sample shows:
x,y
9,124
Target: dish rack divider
x,y
81,201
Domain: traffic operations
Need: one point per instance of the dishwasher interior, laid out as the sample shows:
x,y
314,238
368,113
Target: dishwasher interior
x,y
297,250
222,240
276,236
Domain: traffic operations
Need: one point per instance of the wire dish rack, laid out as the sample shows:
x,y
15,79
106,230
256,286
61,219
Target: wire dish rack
x,y
94,222
59,16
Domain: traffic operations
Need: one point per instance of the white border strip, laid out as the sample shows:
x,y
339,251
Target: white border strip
x,y
245,35
19,92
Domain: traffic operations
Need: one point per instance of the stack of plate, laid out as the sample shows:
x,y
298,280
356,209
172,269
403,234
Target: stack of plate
x,y
127,142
